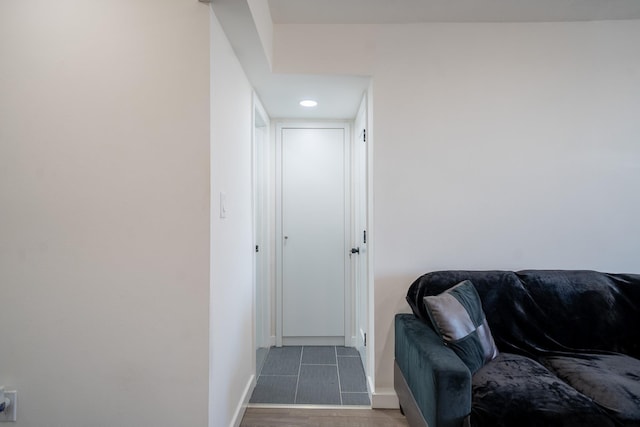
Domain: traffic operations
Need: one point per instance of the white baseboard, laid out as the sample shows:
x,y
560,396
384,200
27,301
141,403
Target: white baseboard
x,y
313,340
370,386
385,398
242,405
322,341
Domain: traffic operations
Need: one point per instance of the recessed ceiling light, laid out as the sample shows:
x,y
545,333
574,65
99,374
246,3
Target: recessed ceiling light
x,y
308,103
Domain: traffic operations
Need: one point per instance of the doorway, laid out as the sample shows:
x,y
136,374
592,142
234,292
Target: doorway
x,y
317,206
313,223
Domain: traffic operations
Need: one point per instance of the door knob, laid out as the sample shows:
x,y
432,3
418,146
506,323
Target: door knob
x,y
355,250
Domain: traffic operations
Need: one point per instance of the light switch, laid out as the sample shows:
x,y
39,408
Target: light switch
x,y
11,411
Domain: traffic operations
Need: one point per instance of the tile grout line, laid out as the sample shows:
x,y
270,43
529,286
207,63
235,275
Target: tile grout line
x,y
295,396
319,364
338,372
278,375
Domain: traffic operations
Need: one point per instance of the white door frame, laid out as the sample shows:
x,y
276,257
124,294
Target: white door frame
x,y
279,237
261,228
360,226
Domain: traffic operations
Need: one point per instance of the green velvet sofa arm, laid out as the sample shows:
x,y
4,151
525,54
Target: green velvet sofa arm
x,y
438,380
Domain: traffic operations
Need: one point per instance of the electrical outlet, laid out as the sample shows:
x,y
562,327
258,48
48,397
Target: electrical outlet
x,y
11,412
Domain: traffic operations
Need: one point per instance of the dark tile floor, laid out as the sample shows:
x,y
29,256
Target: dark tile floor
x,y
312,375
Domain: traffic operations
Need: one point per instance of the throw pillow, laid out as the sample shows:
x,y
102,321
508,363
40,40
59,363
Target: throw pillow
x,y
457,316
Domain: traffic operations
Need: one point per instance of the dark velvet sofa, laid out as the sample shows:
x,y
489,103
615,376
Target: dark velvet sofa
x,y
569,350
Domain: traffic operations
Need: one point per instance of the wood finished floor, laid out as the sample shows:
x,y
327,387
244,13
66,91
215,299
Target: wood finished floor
x,y
291,417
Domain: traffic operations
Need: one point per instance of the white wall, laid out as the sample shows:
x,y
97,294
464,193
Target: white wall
x,y
104,211
324,49
496,146
232,323
519,149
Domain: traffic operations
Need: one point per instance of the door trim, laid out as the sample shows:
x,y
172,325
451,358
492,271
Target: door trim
x,y
348,295
360,153
261,232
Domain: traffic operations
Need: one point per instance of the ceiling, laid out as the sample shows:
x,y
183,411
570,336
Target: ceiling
x,y
414,11
340,96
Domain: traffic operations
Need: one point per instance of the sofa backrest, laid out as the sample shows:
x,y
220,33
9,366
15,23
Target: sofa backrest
x,y
534,311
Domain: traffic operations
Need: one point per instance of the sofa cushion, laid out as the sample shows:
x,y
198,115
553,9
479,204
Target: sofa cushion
x,y
458,318
533,311
611,380
513,390
584,310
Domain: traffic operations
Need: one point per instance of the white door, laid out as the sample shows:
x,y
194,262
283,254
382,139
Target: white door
x,y
314,235
360,259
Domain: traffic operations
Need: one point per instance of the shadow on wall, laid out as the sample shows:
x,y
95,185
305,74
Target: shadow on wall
x,y
390,299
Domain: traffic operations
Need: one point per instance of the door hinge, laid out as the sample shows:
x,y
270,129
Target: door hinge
x,y
365,339
257,248
364,236
364,135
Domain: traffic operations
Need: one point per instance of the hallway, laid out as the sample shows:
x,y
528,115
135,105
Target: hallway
x,y
312,375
